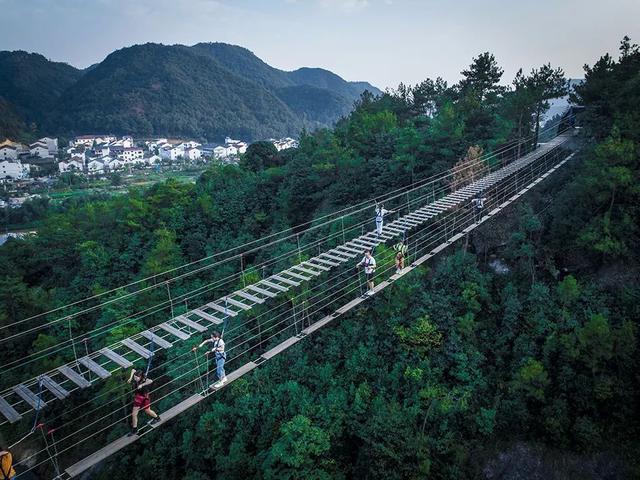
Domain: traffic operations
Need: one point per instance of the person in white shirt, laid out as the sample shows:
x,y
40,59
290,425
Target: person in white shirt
x,y
217,349
478,206
369,265
380,213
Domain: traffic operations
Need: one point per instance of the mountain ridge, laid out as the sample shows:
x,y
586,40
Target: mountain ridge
x,y
206,91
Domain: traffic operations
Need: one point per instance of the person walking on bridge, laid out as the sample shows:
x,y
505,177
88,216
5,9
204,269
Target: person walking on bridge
x,y
141,399
478,206
6,465
217,349
369,265
380,213
401,254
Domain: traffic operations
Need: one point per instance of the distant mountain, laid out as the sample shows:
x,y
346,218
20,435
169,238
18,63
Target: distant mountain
x,y
205,91
30,86
244,63
170,90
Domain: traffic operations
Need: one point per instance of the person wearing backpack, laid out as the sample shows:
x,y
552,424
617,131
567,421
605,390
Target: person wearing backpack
x,y
401,254
219,355
6,465
141,399
369,265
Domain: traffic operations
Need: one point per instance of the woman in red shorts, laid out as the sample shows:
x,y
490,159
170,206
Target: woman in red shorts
x,y
141,399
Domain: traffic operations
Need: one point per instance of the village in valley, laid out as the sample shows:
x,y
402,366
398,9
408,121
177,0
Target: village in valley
x,y
26,169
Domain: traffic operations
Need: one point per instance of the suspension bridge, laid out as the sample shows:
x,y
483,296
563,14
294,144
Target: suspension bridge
x,y
308,288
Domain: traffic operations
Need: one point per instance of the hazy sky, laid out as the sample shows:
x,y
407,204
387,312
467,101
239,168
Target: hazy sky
x,y
382,41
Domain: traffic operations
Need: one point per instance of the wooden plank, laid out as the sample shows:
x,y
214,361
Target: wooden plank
x,y
179,408
353,250
432,212
275,286
137,348
375,237
456,237
284,280
211,318
236,303
95,458
363,247
190,323
9,412
333,257
410,221
237,373
95,367
296,275
262,291
306,270
319,324
365,243
326,262
157,340
349,305
439,248
174,331
458,196
319,267
58,391
248,296
116,358
408,225
394,229
74,376
360,243
29,397
344,251
280,347
417,220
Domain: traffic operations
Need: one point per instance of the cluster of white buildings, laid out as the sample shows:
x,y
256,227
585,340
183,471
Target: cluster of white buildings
x,y
16,159
194,151
96,154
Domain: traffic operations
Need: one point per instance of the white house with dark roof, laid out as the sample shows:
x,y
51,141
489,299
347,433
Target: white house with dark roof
x,y
115,164
51,143
72,165
39,149
171,152
13,169
8,152
220,152
87,140
284,143
193,153
102,150
96,166
131,155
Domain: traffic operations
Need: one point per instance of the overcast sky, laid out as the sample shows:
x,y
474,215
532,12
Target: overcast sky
x,y
384,42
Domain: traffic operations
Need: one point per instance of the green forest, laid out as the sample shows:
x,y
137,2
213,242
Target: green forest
x,y
454,372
